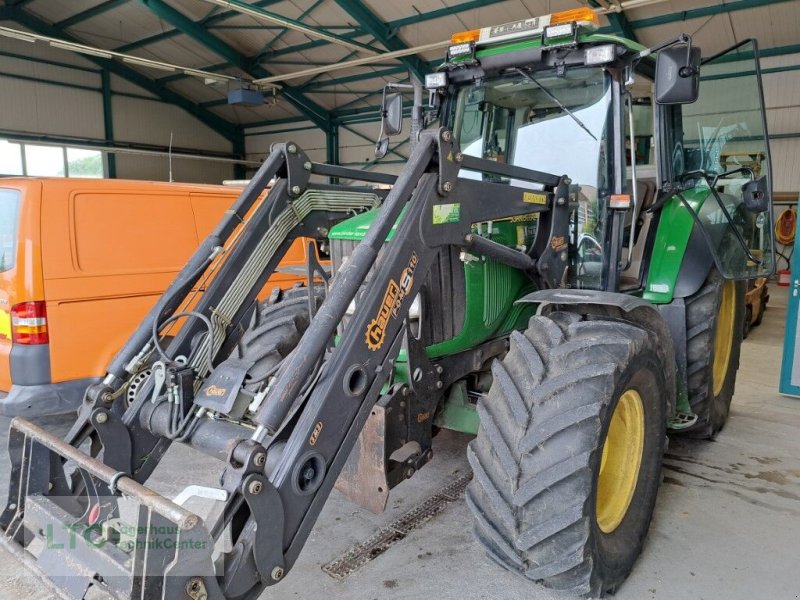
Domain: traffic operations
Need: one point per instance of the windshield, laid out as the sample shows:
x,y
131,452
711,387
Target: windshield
x,y
556,124
9,209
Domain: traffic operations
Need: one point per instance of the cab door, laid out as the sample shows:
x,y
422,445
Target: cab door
x,y
722,158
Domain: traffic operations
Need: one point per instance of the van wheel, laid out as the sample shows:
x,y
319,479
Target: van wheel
x,y
715,317
276,329
567,460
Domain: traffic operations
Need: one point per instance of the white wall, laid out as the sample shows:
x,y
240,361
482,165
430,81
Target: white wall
x,y
56,110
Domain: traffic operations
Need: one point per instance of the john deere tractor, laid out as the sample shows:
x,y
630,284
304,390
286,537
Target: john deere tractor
x,y
557,269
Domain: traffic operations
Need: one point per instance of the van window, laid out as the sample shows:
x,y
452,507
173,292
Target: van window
x,y
9,215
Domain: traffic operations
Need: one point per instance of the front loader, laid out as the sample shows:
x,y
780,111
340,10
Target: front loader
x,y
549,271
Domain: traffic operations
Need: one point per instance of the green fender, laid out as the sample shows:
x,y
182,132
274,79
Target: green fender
x,y
675,228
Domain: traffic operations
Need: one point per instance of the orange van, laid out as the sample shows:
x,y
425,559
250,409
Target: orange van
x,y
81,263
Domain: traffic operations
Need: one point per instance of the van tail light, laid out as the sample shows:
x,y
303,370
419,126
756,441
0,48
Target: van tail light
x,y
29,323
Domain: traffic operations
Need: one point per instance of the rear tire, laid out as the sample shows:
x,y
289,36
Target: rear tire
x,y
712,362
547,503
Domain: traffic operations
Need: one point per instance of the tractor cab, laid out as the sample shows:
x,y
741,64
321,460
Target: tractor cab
x,y
637,130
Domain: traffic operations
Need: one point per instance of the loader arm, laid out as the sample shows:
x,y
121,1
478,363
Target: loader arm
x,y
282,463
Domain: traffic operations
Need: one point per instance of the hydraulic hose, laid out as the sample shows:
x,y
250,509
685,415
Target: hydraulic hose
x,y
786,226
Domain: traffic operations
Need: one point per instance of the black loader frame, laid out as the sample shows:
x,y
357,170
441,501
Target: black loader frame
x,y
280,468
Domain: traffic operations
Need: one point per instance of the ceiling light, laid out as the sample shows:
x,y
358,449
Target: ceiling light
x,y
152,64
80,49
17,35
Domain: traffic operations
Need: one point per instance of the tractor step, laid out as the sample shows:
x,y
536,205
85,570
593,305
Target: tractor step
x,y
681,421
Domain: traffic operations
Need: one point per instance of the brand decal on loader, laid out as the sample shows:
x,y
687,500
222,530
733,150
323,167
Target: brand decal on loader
x,y
533,198
524,218
390,307
312,441
214,390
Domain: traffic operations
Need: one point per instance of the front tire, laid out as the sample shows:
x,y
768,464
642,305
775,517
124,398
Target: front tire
x,y
276,329
567,460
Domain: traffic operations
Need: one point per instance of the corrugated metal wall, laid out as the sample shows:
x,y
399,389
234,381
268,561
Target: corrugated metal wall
x,y
35,102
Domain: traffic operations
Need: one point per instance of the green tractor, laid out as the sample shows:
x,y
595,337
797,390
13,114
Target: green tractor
x,y
558,269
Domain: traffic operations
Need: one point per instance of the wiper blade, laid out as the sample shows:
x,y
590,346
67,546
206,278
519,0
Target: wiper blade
x,y
556,100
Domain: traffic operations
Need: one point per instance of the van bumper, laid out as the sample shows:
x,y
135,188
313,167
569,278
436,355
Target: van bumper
x,y
45,399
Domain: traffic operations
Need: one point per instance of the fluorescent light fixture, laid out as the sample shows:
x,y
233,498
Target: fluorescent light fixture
x,y
348,64
206,76
17,35
80,49
152,64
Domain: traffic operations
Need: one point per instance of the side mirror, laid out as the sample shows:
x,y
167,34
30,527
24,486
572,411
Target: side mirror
x,y
392,114
678,75
756,196
391,121
381,147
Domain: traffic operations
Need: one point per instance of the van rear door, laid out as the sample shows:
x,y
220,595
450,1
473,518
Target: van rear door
x,y
21,289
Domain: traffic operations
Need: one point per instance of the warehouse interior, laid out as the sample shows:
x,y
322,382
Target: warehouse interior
x,y
180,107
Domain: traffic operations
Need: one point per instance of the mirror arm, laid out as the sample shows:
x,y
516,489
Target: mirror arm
x,y
683,38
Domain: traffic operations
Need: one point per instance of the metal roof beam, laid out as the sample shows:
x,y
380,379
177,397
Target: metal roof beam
x,y
619,23
285,30
439,13
351,78
380,30
198,33
705,11
89,13
223,127
208,21
312,32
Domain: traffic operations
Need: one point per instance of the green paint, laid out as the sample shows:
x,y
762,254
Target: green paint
x,y
458,413
672,236
446,213
505,48
492,288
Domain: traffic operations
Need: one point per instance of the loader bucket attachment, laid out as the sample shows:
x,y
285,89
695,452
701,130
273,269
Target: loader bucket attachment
x,y
117,535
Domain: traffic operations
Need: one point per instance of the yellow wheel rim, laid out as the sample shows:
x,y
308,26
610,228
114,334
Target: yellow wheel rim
x,y
723,339
619,465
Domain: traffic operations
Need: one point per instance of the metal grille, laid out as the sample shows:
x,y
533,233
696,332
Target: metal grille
x,y
359,554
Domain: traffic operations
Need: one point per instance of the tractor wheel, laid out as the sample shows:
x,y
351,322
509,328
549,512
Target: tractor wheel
x,y
747,323
274,333
714,328
567,460
762,307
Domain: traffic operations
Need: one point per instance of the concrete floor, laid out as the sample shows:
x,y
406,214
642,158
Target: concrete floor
x,y
727,522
